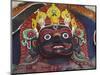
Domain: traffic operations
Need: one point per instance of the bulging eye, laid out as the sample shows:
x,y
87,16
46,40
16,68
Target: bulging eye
x,y
47,37
65,35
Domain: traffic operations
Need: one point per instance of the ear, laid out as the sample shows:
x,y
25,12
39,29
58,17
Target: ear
x,y
75,40
76,45
33,52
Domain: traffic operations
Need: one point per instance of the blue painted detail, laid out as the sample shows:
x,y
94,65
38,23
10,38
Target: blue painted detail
x,y
90,27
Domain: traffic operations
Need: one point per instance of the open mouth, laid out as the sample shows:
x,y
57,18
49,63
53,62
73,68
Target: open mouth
x,y
58,48
61,48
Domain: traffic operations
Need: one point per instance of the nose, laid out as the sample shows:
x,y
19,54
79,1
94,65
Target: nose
x,y
57,38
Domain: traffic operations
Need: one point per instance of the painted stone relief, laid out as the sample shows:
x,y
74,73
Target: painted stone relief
x,y
52,37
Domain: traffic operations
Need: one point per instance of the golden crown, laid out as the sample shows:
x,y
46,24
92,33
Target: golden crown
x,y
54,15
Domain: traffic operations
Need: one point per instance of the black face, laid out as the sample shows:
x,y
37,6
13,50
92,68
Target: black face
x,y
55,41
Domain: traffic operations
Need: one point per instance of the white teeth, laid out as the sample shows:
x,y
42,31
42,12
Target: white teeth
x,y
58,47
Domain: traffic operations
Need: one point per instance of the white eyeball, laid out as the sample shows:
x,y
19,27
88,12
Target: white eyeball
x,y
65,35
47,37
